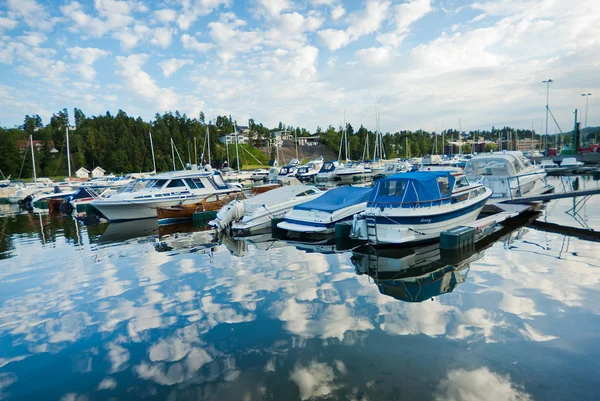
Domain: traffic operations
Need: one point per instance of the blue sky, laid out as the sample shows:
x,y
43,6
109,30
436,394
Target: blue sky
x,y
428,63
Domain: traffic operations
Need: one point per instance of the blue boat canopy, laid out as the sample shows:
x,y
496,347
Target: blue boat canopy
x,y
336,199
412,189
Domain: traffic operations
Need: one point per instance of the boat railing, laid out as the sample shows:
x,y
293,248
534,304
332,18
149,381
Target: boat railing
x,y
517,178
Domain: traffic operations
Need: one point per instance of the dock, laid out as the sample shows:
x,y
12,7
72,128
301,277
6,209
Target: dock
x,y
552,196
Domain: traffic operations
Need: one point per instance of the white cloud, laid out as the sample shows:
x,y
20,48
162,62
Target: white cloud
x,y
406,14
479,384
374,56
107,384
273,8
313,380
162,36
231,41
86,57
334,39
171,66
114,15
337,12
165,15
190,43
33,39
33,13
7,24
191,10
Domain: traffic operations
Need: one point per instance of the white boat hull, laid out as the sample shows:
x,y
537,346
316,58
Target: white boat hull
x,y
309,221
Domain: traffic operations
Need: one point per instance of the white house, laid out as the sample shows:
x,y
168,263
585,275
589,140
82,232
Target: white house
x,y
82,173
230,139
98,172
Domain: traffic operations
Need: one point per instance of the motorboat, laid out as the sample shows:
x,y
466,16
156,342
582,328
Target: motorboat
x,y
183,212
31,190
571,163
395,168
350,171
9,188
431,160
547,164
260,174
287,171
309,171
508,174
254,214
327,171
418,206
320,215
139,199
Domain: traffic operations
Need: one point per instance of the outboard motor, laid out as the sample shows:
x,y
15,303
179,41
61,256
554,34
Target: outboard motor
x,y
227,215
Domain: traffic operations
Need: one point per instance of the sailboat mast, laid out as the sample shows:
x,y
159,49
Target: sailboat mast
x,y
33,158
345,135
195,152
68,153
237,154
173,153
208,143
152,149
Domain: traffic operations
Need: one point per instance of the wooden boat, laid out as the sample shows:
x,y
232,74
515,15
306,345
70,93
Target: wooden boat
x,y
213,202
259,189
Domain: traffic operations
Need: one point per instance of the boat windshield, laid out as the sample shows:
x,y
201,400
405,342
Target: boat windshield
x,y
137,185
303,170
492,167
328,167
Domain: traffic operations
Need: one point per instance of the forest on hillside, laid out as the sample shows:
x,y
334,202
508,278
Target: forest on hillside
x,y
121,143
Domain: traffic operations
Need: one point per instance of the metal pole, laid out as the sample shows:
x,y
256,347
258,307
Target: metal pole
x,y
547,82
33,158
237,154
68,153
173,153
152,149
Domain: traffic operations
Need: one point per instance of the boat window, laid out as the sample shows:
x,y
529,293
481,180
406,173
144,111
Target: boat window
x,y
460,198
516,166
485,166
308,192
444,186
392,188
462,182
194,183
218,182
390,167
176,183
158,184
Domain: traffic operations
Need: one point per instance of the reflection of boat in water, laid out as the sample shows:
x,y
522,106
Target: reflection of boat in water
x,y
198,241
419,273
128,230
413,274
239,246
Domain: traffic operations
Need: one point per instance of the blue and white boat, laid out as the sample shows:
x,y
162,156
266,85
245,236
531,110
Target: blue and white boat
x,y
321,214
327,171
418,206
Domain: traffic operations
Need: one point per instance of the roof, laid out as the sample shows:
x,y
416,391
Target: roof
x,y
336,199
406,189
99,168
82,169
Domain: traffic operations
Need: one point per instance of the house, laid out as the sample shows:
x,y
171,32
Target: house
x,y
98,172
82,173
242,129
229,139
37,145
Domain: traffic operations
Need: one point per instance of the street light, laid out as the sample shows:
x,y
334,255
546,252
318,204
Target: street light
x,y
547,82
587,99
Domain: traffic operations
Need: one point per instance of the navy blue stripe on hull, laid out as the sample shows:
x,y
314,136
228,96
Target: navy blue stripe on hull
x,y
438,218
313,224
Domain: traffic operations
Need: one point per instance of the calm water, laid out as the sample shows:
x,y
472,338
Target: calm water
x,y
125,311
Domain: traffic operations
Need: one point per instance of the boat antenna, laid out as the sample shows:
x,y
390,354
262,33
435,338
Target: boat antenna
x,y
152,149
33,158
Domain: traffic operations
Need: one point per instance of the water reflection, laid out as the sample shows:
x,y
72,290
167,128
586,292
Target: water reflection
x,y
185,315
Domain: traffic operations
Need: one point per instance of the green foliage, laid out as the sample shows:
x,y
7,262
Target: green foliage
x,y
491,147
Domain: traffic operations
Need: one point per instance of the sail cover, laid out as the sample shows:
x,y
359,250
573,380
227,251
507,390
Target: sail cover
x,y
412,189
336,199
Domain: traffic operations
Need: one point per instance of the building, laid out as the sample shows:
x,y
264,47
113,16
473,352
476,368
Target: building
x,y
229,139
526,145
98,172
37,145
242,129
312,140
82,173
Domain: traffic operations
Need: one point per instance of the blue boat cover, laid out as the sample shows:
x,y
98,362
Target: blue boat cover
x,y
411,189
336,199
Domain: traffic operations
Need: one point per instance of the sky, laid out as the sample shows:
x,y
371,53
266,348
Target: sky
x,y
427,64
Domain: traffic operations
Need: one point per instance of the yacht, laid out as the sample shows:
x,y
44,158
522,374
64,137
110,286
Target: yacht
x,y
309,171
395,168
320,215
508,174
260,174
40,186
287,171
417,207
350,171
254,214
571,163
139,199
327,171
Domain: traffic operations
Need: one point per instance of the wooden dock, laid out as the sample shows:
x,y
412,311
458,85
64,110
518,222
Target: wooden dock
x,y
552,196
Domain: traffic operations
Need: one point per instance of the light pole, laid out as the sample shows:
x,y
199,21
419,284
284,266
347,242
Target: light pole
x,y
587,99
547,82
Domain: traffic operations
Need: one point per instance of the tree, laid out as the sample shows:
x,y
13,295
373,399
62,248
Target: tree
x,y
491,147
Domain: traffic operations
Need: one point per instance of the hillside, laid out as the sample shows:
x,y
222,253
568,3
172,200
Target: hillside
x,y
304,152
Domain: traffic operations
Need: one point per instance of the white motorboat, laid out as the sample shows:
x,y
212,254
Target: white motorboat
x,y
260,174
508,174
287,171
309,171
139,199
255,214
571,163
350,171
41,186
418,206
320,215
395,168
327,171
548,163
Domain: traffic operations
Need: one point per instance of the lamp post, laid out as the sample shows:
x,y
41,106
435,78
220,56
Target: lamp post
x,y
547,82
587,99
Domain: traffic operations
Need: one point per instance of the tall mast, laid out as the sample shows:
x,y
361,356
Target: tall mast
x,y
152,148
237,154
208,142
68,153
460,135
173,153
296,140
195,152
345,135
33,158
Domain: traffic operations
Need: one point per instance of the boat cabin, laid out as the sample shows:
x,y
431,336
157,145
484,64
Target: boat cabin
x,y
507,164
287,170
